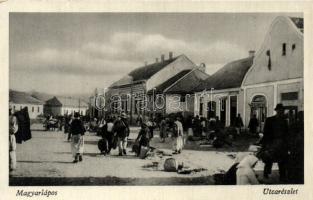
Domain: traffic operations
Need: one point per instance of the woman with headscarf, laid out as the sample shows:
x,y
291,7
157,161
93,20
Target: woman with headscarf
x,y
77,131
245,174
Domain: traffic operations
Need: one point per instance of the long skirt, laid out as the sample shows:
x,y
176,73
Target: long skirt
x,y
178,143
77,144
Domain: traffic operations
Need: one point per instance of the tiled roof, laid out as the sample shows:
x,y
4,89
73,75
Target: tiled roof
x,y
145,72
23,98
230,76
188,83
160,88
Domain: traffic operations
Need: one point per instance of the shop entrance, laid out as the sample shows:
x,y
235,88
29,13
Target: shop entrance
x,y
258,108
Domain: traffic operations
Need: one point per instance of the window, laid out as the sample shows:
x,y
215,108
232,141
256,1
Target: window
x,y
33,108
201,106
182,98
13,108
284,49
38,109
289,96
293,47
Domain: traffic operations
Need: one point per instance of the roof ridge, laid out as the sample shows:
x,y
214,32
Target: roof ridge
x,y
181,78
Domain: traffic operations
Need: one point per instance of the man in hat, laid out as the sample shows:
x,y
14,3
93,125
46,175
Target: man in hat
x,y
274,142
121,129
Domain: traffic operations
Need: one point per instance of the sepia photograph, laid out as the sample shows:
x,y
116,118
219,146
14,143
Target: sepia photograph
x,y
156,99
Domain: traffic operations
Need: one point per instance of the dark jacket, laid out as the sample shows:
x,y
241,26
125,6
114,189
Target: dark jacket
x,y
275,137
77,127
121,128
143,137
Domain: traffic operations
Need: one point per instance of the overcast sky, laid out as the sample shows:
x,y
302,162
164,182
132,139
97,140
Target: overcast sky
x,y
75,53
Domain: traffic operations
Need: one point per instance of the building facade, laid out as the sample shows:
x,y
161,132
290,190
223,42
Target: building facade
x,y
60,106
276,75
19,100
135,94
221,95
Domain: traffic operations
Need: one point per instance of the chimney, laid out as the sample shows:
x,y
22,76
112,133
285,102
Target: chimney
x,y
156,60
170,55
162,58
251,53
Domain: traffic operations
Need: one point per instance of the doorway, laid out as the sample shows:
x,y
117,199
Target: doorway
x,y
233,110
258,108
211,112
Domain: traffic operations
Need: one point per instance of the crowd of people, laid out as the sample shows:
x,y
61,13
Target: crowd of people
x,y
282,142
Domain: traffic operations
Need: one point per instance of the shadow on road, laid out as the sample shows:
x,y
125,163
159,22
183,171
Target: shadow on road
x,y
30,161
109,180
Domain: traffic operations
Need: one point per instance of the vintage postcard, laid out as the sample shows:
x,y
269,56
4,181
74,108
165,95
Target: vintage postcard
x,y
158,100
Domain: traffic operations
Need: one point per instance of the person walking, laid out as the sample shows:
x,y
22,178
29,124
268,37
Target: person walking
x,y
121,129
143,137
253,124
77,130
163,127
13,128
178,135
150,126
238,124
296,158
274,143
108,134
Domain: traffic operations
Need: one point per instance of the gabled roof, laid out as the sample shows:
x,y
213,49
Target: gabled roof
x,y
145,72
298,22
187,83
23,98
229,76
160,88
66,101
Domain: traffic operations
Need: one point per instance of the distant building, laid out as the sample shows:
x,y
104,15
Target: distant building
x,y
221,95
19,100
96,104
64,105
130,93
276,75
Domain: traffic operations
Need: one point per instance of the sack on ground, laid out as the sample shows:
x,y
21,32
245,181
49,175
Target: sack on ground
x,y
218,143
143,152
102,145
135,148
170,165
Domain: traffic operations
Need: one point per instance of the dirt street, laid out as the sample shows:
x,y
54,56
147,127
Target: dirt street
x,y
46,159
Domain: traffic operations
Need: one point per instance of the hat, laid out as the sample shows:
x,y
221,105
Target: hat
x,y
123,115
76,114
279,106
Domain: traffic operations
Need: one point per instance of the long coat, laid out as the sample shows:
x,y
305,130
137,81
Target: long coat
x,y
275,138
